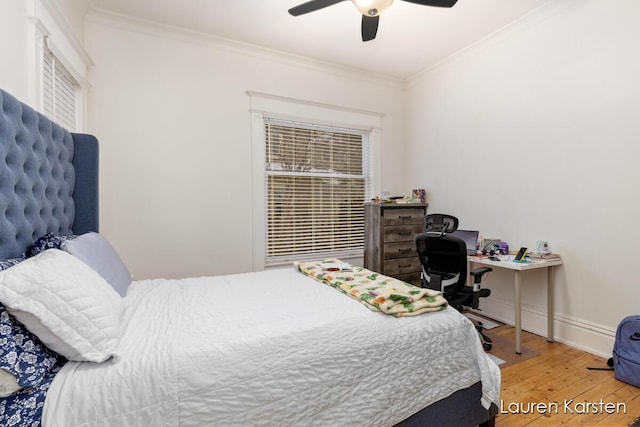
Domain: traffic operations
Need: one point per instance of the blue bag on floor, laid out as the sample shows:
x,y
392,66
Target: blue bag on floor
x,y
626,351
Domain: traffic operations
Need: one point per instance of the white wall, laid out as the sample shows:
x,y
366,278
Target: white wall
x,y
74,12
172,115
532,134
14,48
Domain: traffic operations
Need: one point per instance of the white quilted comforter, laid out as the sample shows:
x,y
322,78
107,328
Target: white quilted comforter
x,y
268,349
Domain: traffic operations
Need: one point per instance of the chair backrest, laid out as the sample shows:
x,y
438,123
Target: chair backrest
x,y
443,257
440,223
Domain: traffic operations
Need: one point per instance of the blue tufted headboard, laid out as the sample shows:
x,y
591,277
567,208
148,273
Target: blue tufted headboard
x,y
48,178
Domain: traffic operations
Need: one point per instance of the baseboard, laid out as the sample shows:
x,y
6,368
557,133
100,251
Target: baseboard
x,y
586,336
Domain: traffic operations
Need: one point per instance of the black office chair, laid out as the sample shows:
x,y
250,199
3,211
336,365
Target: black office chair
x,y
443,258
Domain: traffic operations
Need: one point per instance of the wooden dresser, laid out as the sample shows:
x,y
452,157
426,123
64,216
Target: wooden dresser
x,y
389,246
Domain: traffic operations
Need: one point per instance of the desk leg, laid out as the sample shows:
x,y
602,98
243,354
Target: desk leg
x,y
550,301
518,315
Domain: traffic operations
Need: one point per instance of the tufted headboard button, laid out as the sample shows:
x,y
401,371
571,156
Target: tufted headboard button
x,y
37,177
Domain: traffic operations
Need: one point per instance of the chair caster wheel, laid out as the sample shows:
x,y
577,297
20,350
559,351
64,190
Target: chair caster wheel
x,y
487,346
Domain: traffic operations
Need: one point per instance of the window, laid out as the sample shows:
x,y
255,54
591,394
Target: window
x,y
317,179
313,167
60,93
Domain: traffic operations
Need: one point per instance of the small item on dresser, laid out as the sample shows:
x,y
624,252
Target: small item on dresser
x,y
420,194
407,200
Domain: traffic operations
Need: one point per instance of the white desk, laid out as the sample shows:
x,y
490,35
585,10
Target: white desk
x,y
518,268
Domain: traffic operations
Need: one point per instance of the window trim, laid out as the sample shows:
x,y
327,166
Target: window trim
x,y
295,110
49,30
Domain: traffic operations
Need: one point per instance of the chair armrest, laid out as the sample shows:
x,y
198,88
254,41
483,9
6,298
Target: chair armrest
x,y
477,273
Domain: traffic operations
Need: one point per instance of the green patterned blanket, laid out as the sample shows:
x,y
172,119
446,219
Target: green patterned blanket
x,y
375,291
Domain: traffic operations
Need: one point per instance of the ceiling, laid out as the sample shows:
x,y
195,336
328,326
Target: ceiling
x,y
411,37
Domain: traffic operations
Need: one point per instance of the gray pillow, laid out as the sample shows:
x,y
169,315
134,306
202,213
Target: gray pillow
x,y
94,250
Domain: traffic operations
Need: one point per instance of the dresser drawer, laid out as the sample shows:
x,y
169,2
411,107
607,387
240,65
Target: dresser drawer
x,y
400,250
402,233
389,239
406,216
394,267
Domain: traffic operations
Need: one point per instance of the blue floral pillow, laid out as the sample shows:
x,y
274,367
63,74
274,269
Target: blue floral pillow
x,y
48,241
6,263
22,355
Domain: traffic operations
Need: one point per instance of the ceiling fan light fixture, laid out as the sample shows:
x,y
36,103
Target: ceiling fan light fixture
x,y
372,7
370,10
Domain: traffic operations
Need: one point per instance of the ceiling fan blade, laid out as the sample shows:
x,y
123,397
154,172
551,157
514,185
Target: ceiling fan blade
x,y
312,6
436,3
369,27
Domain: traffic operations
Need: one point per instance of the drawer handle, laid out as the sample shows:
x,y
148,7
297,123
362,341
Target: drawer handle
x,y
405,217
405,251
404,233
404,266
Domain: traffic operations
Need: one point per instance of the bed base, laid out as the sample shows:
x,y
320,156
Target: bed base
x,y
461,409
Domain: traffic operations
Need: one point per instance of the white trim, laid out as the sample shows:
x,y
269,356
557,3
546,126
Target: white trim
x,y
353,260
258,190
289,260
568,330
49,29
65,44
37,35
155,29
280,99
540,13
292,109
375,162
68,32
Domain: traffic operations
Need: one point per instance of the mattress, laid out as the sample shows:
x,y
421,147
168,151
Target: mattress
x,y
264,349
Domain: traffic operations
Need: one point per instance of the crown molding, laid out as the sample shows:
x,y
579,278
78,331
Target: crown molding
x,y
134,24
524,22
53,9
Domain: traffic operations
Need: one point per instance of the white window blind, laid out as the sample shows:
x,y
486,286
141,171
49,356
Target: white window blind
x,y
60,93
316,179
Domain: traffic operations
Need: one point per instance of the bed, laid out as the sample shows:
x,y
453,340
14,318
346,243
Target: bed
x,y
261,348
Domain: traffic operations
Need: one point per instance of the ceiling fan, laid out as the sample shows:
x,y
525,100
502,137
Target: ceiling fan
x,y
370,9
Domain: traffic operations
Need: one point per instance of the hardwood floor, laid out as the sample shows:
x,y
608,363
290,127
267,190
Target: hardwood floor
x,y
550,385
